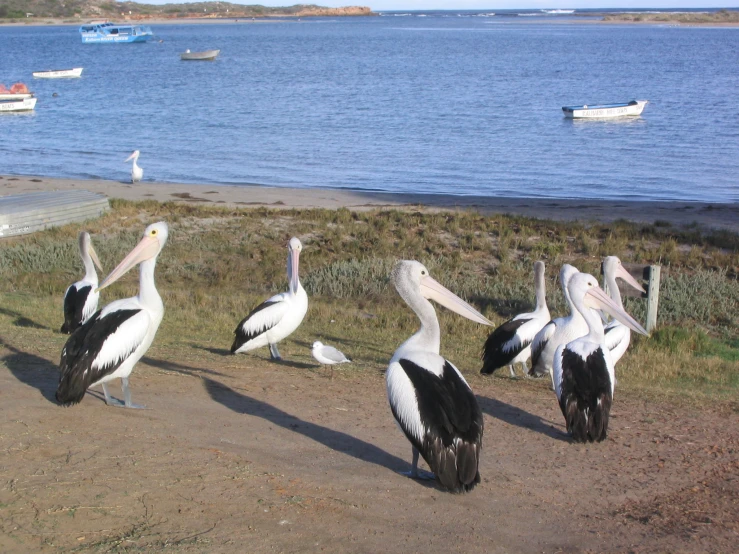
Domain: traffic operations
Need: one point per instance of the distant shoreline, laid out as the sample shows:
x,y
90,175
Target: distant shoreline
x,y
676,213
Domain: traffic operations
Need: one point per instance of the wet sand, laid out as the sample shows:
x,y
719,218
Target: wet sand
x,y
718,216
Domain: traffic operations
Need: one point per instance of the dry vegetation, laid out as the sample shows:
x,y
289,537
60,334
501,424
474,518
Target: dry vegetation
x,y
705,18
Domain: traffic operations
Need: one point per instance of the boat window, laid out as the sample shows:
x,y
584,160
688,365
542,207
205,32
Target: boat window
x,y
114,31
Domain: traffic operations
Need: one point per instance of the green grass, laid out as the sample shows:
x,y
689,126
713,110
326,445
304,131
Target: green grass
x,y
220,262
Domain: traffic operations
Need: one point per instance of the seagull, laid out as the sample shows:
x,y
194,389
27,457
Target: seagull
x,y
510,343
617,335
583,375
108,346
275,318
430,400
136,172
81,298
328,355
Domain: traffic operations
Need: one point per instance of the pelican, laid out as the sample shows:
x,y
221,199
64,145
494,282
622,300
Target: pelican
x,y
328,355
81,298
108,346
136,172
430,400
558,331
617,335
583,370
276,318
510,343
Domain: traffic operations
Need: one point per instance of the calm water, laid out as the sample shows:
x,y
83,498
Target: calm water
x,y
436,104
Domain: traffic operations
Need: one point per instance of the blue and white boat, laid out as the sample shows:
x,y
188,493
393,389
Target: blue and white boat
x,y
635,107
112,32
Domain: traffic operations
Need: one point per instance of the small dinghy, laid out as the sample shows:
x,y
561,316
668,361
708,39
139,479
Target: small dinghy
x,y
633,108
206,55
58,73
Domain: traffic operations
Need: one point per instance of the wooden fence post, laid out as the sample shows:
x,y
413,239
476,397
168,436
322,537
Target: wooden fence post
x,y
652,297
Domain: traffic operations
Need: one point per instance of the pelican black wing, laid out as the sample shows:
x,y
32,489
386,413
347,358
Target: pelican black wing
x,y
501,345
74,304
245,335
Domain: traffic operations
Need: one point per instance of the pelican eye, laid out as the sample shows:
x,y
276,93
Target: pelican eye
x,y
153,232
423,272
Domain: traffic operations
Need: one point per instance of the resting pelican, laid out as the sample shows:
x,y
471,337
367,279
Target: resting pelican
x,y
558,331
510,343
108,346
617,335
328,355
432,403
276,318
583,370
136,172
81,298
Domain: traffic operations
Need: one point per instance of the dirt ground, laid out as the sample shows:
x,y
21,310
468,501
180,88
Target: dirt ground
x,y
238,454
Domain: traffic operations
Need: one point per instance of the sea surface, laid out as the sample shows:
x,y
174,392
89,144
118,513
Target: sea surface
x,y
461,103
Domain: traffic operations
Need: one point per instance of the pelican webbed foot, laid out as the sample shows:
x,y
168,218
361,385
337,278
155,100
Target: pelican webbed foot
x,y
274,353
415,473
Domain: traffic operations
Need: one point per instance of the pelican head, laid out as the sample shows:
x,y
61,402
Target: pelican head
x,y
294,246
612,266
154,239
565,274
134,156
86,246
411,278
584,286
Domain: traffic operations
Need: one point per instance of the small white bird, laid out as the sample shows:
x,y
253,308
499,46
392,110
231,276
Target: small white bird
x,y
328,355
136,172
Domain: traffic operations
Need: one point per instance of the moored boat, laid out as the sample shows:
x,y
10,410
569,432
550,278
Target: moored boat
x,y
58,73
206,55
112,32
633,108
24,105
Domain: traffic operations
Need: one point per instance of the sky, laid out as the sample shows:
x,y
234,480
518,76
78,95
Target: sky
x,y
387,5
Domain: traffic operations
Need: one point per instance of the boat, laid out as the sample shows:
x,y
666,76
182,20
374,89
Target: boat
x,y
23,105
18,91
112,32
206,55
633,108
58,73
21,214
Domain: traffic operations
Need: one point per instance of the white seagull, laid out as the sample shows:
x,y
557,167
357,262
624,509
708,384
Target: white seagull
x,y
430,400
136,172
108,346
276,318
510,343
584,377
557,332
328,355
81,298
617,335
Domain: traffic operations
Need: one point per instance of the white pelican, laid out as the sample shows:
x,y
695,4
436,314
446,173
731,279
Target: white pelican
x,y
328,355
109,345
558,331
617,335
136,172
432,403
583,370
276,318
81,298
510,343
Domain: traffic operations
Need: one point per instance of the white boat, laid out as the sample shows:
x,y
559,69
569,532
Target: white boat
x,y
25,105
206,55
15,95
633,108
58,73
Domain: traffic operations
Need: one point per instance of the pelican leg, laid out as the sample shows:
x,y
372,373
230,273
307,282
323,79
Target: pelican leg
x,y
109,400
525,370
127,395
551,376
513,373
273,352
414,472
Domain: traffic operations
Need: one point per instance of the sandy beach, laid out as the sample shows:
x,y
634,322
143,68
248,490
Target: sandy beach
x,y
718,216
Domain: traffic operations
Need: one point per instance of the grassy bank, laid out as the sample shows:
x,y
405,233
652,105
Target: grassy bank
x,y
219,263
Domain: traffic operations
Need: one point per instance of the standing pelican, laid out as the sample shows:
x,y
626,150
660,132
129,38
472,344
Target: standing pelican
x,y
432,403
108,346
136,172
558,331
510,343
583,370
81,298
276,318
617,335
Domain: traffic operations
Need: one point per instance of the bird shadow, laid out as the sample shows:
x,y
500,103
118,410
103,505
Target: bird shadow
x,y
179,368
21,320
216,351
335,440
296,365
514,415
32,370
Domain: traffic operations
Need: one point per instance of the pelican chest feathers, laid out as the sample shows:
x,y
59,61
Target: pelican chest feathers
x,y
81,298
429,398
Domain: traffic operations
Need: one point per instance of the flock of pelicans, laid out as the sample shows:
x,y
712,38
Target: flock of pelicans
x,y
429,398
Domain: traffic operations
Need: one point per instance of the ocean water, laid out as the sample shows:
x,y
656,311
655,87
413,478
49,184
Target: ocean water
x,y
441,103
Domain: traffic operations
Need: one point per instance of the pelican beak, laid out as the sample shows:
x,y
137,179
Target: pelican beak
x,y
131,157
626,276
94,257
146,249
432,290
597,299
294,279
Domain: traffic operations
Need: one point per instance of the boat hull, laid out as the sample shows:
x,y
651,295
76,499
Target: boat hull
x,y
58,73
25,105
605,111
207,55
106,32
